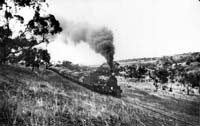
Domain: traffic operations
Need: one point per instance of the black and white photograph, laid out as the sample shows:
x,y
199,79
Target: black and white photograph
x,y
99,62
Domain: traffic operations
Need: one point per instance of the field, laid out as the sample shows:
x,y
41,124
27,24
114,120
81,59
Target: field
x,y
44,98
174,104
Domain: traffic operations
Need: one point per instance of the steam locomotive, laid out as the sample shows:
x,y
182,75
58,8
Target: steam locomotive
x,y
108,87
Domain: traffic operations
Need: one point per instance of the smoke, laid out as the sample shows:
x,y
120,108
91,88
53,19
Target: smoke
x,y
100,39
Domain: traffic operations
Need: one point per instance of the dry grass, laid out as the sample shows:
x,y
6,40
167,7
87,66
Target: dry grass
x,y
46,99
181,106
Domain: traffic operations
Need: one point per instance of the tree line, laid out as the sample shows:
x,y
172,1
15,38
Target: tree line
x,y
166,70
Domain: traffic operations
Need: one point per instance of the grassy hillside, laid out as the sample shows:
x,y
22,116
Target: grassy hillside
x,y
44,98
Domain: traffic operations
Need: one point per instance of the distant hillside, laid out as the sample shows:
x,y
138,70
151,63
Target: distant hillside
x,y
178,58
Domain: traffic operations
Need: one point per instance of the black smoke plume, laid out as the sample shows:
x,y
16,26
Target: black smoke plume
x,y
100,39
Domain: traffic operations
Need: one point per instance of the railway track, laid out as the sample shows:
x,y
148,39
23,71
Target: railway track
x,y
156,111
165,114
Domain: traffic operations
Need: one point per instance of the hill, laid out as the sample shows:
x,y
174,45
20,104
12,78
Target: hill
x,y
44,98
178,58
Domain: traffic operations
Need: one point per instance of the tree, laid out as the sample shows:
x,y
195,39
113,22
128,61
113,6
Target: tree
x,y
34,57
193,79
153,76
159,75
20,44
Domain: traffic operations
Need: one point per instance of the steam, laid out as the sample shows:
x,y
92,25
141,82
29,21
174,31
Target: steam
x,y
100,39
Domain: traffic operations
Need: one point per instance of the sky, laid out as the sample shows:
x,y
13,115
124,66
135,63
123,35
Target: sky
x,y
141,28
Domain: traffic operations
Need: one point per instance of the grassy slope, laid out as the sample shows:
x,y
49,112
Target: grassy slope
x,y
186,108
45,98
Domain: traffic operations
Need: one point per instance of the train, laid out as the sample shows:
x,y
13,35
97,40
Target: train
x,y
107,87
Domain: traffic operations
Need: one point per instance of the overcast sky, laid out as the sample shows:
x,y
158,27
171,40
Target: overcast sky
x,y
142,28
